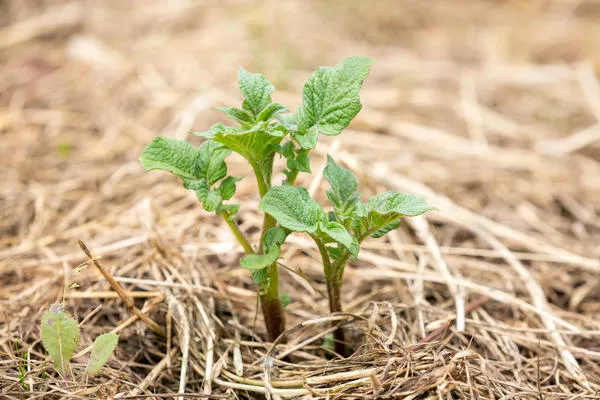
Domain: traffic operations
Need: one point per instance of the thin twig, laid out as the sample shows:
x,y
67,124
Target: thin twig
x,y
122,293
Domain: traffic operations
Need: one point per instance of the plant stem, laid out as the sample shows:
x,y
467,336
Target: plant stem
x,y
324,257
271,305
334,274
237,233
269,299
334,284
292,178
294,173
263,185
335,306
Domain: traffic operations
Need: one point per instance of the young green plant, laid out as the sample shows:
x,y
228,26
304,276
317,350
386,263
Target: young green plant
x,y
60,336
330,101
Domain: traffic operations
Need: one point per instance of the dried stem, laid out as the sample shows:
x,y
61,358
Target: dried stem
x,y
122,293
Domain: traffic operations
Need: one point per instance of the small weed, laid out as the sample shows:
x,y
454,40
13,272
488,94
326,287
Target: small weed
x,y
60,336
22,366
64,149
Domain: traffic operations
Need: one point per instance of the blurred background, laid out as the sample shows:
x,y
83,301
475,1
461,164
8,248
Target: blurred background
x,y
496,97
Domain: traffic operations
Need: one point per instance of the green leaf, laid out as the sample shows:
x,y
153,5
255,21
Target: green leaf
x,y
212,201
275,237
102,348
227,187
260,276
398,204
288,149
390,227
241,116
331,216
289,120
271,112
336,232
230,209
334,252
60,335
198,168
344,186
297,159
285,299
293,208
301,163
329,342
259,261
382,212
272,242
217,130
256,90
257,144
307,139
331,98
212,157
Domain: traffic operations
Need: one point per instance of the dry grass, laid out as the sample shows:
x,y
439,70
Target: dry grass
x,y
489,109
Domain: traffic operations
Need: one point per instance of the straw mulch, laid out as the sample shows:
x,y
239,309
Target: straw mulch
x,y
488,109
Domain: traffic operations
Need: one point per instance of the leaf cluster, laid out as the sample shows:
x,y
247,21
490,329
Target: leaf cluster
x,y
342,230
60,336
265,130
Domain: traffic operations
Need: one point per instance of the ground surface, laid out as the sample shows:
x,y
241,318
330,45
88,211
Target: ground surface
x,y
489,109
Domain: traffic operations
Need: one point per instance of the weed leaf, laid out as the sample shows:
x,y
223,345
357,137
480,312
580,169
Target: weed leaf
x,y
102,348
60,335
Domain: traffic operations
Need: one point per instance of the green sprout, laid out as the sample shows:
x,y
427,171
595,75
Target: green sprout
x,y
330,101
60,336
